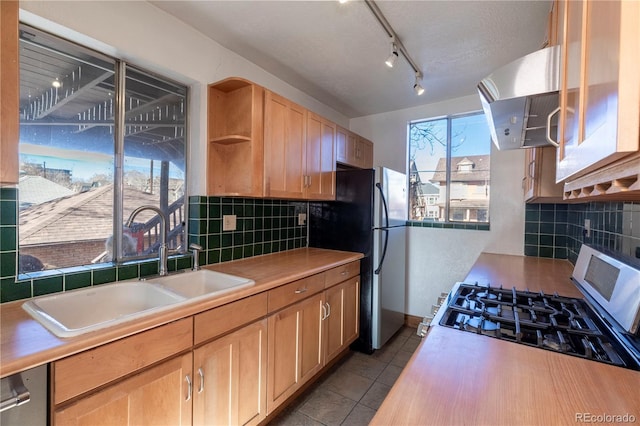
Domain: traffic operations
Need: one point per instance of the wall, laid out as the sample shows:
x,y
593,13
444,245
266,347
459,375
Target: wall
x,y
437,258
138,32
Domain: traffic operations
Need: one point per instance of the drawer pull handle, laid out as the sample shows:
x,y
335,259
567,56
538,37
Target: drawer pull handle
x,y
189,387
324,312
345,272
328,310
201,373
300,291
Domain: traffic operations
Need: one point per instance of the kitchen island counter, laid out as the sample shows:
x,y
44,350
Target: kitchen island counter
x,y
457,378
25,343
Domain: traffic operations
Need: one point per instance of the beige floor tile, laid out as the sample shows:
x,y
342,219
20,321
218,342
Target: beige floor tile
x,y
383,355
411,344
327,407
363,365
359,416
375,395
389,375
293,418
401,358
350,385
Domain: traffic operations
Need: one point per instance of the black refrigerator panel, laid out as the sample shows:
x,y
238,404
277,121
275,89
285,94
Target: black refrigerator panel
x,y
346,224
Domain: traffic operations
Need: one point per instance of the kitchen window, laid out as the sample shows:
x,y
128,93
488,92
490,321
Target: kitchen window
x,y
98,138
449,169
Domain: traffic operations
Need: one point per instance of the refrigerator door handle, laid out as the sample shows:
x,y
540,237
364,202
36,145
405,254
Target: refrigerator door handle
x,y
384,251
384,205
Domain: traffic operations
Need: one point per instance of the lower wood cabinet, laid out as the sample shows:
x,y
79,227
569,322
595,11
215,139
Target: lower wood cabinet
x,y
304,337
233,364
230,378
158,396
341,322
295,352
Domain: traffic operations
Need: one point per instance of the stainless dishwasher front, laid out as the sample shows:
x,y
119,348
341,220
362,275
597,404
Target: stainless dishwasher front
x,y
24,398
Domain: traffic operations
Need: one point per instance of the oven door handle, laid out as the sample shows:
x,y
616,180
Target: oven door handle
x,y
19,393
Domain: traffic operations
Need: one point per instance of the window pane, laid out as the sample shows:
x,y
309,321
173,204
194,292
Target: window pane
x,y
66,152
470,166
154,163
427,169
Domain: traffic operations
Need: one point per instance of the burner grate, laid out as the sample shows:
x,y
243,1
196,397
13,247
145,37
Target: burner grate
x,y
550,322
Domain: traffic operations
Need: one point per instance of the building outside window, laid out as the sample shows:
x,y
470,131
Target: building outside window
x,y
98,138
449,169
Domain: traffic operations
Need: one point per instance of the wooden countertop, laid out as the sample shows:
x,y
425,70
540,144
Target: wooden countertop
x,y
457,378
24,343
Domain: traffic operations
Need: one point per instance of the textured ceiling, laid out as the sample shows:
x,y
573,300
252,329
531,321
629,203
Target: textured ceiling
x,y
335,52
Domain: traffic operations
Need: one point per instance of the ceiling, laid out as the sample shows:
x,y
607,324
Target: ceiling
x,y
336,52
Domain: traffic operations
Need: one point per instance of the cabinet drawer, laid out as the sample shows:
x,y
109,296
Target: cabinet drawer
x,y
88,370
342,273
295,291
218,321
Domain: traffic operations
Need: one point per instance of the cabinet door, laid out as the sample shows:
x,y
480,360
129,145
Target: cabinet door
x,y
341,323
539,182
294,349
158,396
366,147
320,155
342,153
601,91
9,87
284,139
230,378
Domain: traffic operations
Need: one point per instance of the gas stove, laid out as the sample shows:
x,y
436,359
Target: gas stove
x,y
602,327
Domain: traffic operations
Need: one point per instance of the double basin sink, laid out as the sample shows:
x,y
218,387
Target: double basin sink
x,y
76,312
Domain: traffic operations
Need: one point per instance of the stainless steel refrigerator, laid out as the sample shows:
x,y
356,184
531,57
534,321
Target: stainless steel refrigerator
x,y
369,216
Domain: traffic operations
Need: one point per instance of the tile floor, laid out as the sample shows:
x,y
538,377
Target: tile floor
x,y
352,390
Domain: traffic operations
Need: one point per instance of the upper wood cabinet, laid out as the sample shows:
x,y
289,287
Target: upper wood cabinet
x,y
320,158
284,147
353,150
235,139
9,92
261,144
539,176
600,95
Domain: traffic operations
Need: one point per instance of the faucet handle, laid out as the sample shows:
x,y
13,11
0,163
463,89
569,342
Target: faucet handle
x,y
196,249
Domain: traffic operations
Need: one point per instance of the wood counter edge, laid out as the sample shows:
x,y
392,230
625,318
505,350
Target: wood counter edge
x,y
36,345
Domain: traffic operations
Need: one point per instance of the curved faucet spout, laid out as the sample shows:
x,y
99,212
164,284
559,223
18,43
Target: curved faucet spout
x,y
162,251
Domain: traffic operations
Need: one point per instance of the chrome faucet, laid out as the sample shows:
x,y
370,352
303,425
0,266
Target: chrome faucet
x,y
196,249
162,251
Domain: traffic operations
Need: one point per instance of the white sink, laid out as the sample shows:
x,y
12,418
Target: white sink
x,y
77,312
195,285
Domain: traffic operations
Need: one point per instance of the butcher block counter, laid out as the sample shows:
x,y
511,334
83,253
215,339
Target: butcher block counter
x,y
460,378
24,343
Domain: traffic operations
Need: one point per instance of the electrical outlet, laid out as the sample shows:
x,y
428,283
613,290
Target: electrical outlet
x,y
229,222
587,228
302,218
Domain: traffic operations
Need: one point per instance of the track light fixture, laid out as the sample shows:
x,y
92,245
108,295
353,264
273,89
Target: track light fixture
x,y
396,46
392,56
417,87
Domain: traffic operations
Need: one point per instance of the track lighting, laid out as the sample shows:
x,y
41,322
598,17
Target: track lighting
x,y
392,56
417,87
396,46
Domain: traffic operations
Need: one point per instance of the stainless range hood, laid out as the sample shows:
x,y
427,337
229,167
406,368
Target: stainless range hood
x,y
520,100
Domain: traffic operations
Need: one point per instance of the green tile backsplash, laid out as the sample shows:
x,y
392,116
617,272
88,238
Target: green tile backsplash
x,y
263,226
558,230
